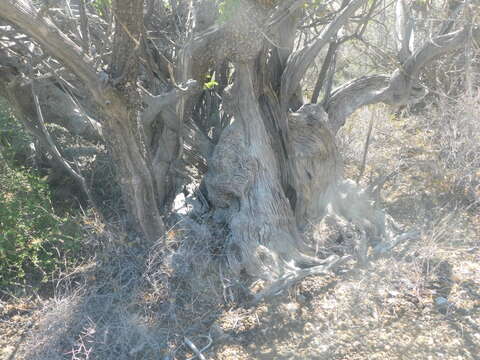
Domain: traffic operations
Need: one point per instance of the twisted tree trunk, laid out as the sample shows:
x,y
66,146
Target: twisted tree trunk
x,y
275,175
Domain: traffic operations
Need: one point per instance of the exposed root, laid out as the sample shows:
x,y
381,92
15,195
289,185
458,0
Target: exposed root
x,y
384,248
290,278
198,353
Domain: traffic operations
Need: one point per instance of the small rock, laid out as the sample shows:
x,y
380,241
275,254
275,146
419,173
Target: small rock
x,y
309,327
442,304
441,301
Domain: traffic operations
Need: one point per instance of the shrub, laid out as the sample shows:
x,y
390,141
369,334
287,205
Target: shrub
x,y
34,241
455,134
15,142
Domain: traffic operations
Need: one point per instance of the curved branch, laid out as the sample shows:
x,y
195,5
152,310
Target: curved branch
x,y
396,89
353,95
404,78
27,18
53,149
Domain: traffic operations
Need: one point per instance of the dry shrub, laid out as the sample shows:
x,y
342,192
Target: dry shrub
x,y
455,138
434,152
134,300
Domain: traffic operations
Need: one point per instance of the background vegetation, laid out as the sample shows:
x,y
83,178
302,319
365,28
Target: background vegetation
x,y
37,241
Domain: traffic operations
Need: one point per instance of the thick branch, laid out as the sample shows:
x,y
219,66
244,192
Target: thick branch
x,y
404,30
353,95
157,102
127,40
404,78
434,48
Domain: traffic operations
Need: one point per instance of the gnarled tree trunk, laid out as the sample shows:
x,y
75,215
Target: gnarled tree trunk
x,y
274,173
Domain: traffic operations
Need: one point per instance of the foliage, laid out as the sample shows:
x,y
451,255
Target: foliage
x,y
101,6
210,83
227,9
33,240
14,141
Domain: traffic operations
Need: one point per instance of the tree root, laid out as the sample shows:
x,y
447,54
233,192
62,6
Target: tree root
x,y
330,264
384,247
291,278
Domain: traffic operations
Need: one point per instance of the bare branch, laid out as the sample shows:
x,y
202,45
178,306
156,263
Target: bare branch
x,y
454,9
301,60
353,95
397,89
157,103
404,30
24,15
48,141
323,71
405,77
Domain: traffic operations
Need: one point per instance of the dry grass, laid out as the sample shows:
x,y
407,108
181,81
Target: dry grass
x,y
132,300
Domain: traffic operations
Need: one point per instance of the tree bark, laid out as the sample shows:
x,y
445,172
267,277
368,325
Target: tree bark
x,y
243,184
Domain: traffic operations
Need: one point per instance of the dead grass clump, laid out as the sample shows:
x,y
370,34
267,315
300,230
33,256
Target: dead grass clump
x,y
455,139
94,313
135,300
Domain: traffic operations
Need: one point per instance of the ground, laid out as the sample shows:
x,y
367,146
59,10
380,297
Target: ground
x,y
422,301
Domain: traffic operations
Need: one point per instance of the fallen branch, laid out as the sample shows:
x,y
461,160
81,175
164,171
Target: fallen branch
x,y
193,347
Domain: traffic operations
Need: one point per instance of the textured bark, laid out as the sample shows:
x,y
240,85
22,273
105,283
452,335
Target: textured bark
x,y
317,162
275,177
243,183
127,40
352,96
120,115
269,235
